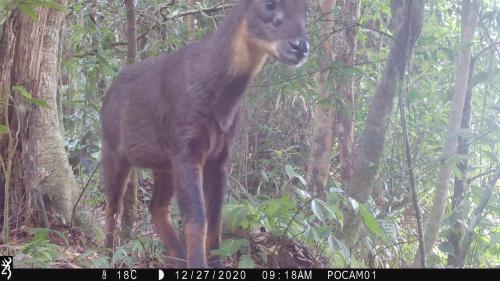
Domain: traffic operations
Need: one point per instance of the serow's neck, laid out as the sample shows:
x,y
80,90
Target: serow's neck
x,y
247,55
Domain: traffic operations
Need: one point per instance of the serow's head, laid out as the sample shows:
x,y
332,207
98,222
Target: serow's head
x,y
278,26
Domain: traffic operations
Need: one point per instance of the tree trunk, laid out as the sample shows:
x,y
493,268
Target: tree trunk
x,y
458,215
131,32
322,140
129,215
348,45
55,174
407,21
29,52
470,12
20,55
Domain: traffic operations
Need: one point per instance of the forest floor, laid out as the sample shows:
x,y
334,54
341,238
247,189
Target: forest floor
x,y
61,246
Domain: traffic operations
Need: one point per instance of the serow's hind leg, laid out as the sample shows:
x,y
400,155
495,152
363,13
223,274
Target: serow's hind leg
x,y
115,177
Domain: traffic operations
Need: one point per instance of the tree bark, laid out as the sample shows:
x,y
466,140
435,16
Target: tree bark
x,y
460,183
348,45
322,140
129,215
470,14
55,174
407,21
20,55
29,52
131,31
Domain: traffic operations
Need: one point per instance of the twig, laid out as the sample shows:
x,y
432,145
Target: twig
x,y
480,176
94,51
352,27
493,43
409,160
296,214
294,77
214,8
477,213
81,193
282,238
492,46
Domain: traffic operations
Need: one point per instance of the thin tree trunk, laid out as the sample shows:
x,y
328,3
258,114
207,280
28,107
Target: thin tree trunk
x,y
411,174
407,21
460,183
129,215
322,140
348,45
131,31
470,13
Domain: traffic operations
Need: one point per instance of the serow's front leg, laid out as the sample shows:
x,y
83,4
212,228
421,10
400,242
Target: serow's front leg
x,y
214,184
188,177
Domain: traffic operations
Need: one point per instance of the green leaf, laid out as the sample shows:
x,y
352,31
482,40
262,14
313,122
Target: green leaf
x,y
354,203
480,77
456,172
339,216
454,160
279,153
231,247
23,92
334,212
239,216
272,207
42,234
39,102
336,244
493,157
302,194
291,173
246,261
317,211
4,129
446,247
323,231
372,223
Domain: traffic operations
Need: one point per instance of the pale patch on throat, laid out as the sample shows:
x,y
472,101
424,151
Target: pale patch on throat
x,y
248,55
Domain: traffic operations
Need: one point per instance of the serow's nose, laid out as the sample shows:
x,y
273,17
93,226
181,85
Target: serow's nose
x,y
300,47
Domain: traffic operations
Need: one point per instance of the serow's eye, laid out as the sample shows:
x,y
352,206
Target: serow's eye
x,y
270,5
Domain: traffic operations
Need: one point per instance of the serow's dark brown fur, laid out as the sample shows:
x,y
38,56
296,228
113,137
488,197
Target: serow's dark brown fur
x,y
178,115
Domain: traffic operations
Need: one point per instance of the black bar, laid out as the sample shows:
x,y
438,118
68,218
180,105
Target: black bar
x,y
249,274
